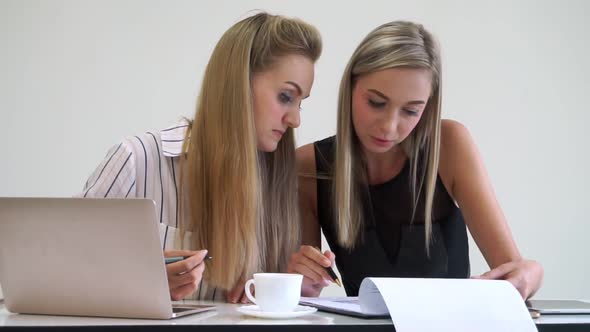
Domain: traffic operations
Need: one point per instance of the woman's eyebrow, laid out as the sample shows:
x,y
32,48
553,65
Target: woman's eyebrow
x,y
379,93
382,95
297,87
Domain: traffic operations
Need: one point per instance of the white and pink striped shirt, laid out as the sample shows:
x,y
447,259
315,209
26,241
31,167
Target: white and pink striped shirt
x,y
146,166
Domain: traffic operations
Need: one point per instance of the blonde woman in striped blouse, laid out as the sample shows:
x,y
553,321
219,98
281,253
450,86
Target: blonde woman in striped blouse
x,y
225,183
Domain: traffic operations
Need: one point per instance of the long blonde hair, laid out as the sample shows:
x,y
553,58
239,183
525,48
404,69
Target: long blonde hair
x,y
391,45
242,203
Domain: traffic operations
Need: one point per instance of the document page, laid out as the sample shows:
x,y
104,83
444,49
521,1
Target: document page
x,y
448,304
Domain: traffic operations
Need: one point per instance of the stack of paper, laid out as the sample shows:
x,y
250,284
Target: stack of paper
x,y
416,304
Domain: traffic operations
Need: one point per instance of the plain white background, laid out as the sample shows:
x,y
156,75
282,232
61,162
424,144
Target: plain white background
x,y
77,76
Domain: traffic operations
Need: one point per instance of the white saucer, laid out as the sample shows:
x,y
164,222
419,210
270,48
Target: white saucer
x,y
254,310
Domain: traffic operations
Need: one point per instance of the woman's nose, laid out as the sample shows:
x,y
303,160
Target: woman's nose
x,y
388,125
292,118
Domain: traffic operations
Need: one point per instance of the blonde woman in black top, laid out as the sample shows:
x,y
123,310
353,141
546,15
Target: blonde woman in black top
x,y
394,189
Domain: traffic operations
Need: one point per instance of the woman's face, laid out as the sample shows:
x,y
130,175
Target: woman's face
x,y
387,105
277,94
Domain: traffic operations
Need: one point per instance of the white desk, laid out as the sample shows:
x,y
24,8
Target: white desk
x,y
227,318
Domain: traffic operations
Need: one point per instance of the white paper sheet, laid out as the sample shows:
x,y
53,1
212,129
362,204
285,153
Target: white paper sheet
x,y
448,304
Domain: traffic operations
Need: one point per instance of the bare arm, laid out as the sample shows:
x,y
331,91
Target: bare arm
x,y
465,177
309,261
308,195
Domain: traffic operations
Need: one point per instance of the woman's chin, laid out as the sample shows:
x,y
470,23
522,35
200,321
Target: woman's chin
x,y
268,146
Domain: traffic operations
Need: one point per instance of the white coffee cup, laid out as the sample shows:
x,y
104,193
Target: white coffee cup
x,y
275,292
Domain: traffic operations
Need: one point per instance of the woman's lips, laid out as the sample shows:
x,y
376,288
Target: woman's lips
x,y
381,142
278,134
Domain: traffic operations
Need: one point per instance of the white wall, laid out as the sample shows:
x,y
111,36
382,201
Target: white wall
x,y
77,76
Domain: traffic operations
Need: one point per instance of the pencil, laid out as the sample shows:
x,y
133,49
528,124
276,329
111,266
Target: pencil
x,y
170,260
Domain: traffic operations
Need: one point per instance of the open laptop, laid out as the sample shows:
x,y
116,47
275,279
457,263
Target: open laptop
x,y
84,257
559,307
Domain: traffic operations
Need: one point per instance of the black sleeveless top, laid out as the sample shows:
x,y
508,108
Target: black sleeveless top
x,y
390,244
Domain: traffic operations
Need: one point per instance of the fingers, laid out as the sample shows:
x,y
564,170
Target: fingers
x,y
193,276
309,283
315,255
313,272
237,292
184,277
510,272
234,295
244,299
311,263
535,278
525,275
499,272
520,286
181,292
185,284
330,255
310,289
185,265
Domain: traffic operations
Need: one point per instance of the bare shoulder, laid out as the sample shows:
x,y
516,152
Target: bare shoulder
x,y
455,140
456,151
453,132
305,156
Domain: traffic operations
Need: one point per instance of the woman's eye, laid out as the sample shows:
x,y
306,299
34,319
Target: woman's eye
x,y
376,104
285,98
411,112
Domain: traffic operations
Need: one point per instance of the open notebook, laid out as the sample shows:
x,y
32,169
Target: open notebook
x,y
416,304
344,305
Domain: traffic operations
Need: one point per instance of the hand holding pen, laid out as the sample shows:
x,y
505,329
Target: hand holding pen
x,y
315,267
184,270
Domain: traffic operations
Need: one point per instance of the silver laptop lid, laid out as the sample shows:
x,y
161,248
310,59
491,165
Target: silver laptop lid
x,y
559,306
80,256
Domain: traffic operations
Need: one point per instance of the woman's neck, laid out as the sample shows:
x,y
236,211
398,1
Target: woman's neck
x,y
382,167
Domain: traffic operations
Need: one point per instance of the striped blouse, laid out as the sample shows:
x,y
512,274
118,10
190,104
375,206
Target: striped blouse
x,y
146,166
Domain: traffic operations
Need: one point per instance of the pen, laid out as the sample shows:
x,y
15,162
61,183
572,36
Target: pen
x,y
331,272
170,260
333,276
